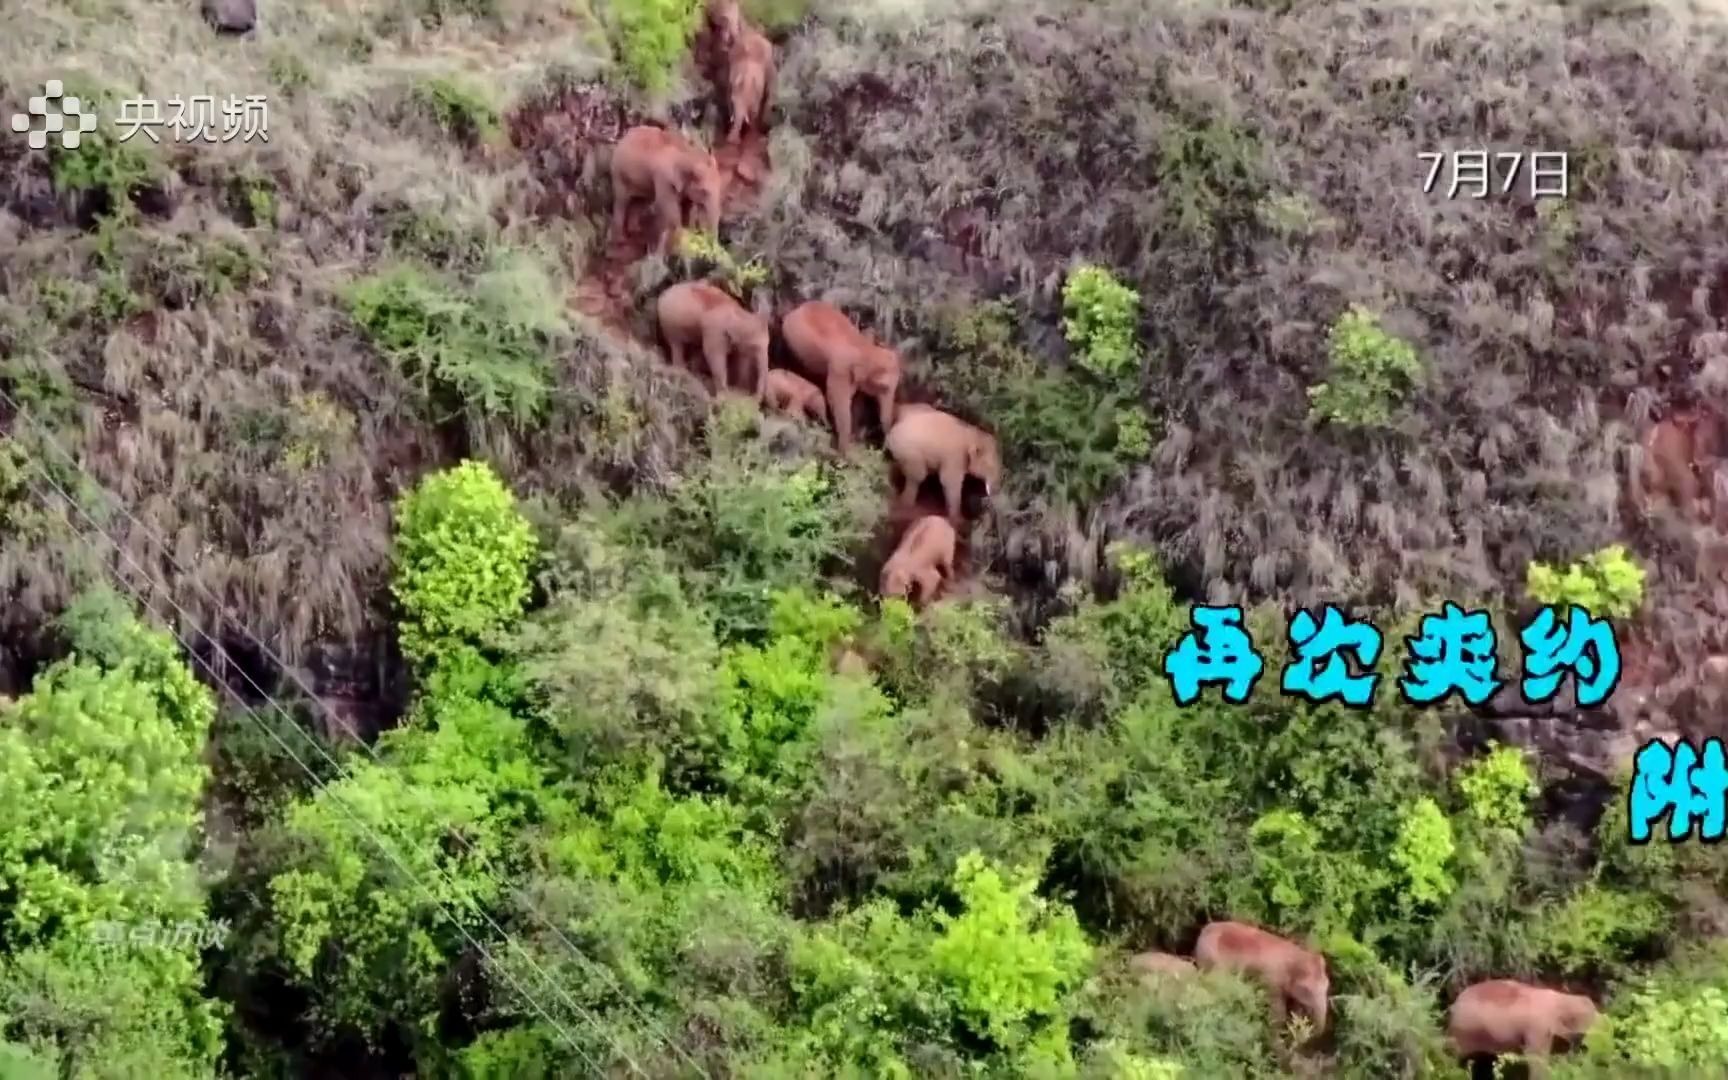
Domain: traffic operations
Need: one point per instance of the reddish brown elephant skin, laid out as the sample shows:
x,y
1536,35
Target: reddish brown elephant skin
x,y
844,361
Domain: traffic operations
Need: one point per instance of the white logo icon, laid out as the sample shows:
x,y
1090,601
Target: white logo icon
x,y
70,108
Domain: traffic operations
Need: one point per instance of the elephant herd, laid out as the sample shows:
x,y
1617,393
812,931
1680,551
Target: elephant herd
x,y
1498,1016
835,361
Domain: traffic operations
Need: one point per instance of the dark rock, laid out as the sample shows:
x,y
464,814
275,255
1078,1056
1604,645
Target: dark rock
x,y
231,16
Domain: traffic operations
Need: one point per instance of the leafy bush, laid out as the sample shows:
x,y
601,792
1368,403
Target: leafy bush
x,y
1608,582
484,350
463,554
999,967
1673,1022
459,108
101,781
747,524
651,36
1066,437
101,163
1497,789
705,256
1209,178
1370,373
1101,317
1422,855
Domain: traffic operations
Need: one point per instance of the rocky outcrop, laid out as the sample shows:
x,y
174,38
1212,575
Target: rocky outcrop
x,y
231,16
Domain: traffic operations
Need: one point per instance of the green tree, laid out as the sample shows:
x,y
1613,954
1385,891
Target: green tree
x,y
463,557
101,774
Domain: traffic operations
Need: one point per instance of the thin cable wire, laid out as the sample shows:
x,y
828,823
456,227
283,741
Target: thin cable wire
x,y
324,789
588,964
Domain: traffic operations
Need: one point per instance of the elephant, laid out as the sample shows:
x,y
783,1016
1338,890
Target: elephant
x,y
1505,1016
844,360
1156,966
750,77
926,440
1678,462
794,395
922,561
651,162
726,23
697,314
1291,973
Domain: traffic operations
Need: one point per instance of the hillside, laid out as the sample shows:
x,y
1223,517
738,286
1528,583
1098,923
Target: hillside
x,y
378,599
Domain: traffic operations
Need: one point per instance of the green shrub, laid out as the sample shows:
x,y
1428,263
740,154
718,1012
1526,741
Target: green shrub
x,y
1608,582
1497,789
1209,178
1595,928
997,971
1101,318
1422,854
101,162
459,108
747,523
484,349
1370,373
1046,421
254,197
651,36
1671,1022
463,554
704,256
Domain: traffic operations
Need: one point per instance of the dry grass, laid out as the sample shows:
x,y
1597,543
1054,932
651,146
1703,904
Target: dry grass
x,y
1549,339
249,422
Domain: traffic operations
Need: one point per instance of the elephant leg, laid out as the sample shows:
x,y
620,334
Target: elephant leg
x,y
736,130
953,485
816,408
675,347
714,350
840,404
929,582
1279,1009
668,215
885,411
620,210
1538,1041
946,565
913,473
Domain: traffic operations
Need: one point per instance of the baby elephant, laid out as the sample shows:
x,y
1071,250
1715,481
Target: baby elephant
x,y
1158,966
1291,973
1504,1016
695,314
926,440
922,562
794,395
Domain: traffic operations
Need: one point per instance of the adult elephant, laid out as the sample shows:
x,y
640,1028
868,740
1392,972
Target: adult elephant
x,y
1505,1016
1290,973
927,440
844,361
695,314
653,163
750,78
